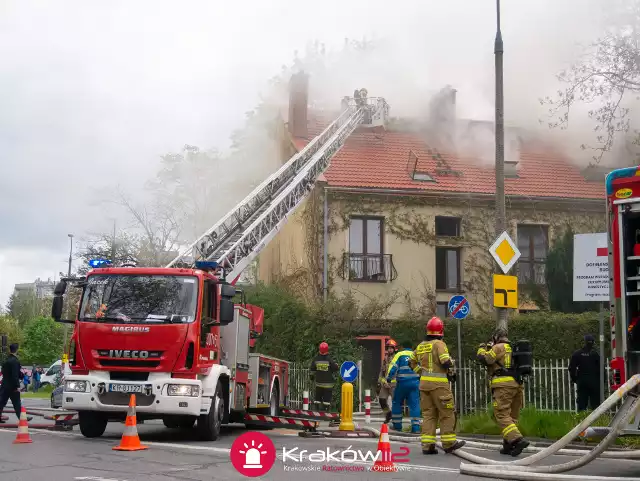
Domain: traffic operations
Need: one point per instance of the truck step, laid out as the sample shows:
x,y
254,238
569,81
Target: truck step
x,y
280,422
320,415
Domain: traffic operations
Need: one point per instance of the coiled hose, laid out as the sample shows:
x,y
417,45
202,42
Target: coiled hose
x,y
515,470
507,472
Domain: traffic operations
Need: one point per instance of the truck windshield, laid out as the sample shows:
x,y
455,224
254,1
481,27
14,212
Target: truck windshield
x,y
133,298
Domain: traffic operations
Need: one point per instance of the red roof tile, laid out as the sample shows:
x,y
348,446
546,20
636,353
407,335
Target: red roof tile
x,y
381,161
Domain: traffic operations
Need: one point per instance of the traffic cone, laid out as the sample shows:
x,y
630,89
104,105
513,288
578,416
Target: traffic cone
x,y
130,440
384,464
23,429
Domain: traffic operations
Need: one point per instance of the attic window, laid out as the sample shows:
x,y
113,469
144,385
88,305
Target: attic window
x,y
414,173
511,169
422,176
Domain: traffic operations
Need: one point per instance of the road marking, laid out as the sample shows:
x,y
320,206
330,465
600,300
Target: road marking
x,y
96,478
227,451
189,446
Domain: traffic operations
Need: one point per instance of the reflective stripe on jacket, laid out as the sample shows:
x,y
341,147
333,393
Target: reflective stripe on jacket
x,y
499,363
400,369
427,360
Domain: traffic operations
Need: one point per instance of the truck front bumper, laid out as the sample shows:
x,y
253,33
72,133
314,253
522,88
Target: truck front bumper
x,y
160,394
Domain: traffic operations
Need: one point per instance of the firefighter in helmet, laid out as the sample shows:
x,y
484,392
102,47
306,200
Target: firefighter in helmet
x,y
432,361
506,391
322,370
407,386
386,389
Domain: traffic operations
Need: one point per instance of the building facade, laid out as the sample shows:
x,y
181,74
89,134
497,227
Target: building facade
x,y
41,289
406,218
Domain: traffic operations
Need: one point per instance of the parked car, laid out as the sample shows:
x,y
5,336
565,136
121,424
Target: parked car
x,y
56,397
50,374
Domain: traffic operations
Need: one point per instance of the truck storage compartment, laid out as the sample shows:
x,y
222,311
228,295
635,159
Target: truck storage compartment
x,y
630,282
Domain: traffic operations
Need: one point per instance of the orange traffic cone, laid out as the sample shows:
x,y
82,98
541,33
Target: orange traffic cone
x,y
130,440
384,464
23,429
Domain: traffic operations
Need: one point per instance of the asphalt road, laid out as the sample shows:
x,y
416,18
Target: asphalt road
x,y
174,455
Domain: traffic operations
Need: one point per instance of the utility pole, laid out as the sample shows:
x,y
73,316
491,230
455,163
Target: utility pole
x,y
66,328
113,244
498,50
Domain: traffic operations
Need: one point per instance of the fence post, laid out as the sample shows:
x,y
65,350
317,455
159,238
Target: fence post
x,y
367,406
360,385
305,400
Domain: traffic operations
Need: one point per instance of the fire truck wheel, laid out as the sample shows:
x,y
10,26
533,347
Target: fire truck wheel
x,y
92,424
209,424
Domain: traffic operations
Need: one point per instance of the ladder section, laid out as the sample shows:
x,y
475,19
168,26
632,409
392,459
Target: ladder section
x,y
271,219
229,230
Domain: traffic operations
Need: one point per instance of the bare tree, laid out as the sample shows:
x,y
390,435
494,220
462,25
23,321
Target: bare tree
x,y
607,75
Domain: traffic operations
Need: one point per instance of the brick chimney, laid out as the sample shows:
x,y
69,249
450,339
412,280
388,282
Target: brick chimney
x,y
298,102
441,122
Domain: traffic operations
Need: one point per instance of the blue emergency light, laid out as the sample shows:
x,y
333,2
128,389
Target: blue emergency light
x,y
206,265
95,263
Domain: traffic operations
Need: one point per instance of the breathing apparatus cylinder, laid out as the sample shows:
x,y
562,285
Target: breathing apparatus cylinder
x,y
523,357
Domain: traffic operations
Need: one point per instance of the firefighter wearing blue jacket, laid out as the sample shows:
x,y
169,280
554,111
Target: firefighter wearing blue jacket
x,y
407,388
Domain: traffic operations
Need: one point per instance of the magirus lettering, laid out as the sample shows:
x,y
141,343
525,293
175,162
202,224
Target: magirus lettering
x,y
130,329
128,354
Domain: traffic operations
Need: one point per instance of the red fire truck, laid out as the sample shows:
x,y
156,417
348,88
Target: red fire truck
x,y
173,335
175,338
623,228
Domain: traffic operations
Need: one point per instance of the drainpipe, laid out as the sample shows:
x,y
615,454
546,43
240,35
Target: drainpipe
x,y
325,248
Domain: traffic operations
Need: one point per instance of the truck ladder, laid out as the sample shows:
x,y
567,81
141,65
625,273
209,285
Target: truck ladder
x,y
236,239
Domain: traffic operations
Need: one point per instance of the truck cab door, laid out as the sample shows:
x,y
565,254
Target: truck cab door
x,y
209,338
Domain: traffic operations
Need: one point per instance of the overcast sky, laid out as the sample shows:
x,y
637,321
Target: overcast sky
x,y
93,92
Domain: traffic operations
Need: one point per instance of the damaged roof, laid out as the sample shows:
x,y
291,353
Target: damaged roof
x,y
402,160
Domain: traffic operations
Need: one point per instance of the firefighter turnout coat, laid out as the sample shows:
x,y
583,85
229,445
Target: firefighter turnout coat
x,y
436,398
507,393
322,370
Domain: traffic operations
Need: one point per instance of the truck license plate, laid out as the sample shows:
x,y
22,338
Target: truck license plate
x,y
133,388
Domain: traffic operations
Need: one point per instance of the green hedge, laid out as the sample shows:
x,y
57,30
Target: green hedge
x,y
293,329
554,335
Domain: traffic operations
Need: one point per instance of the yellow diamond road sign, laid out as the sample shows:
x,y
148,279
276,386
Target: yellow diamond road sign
x,y
505,252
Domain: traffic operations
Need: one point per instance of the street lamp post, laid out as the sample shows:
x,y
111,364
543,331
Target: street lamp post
x,y
70,253
498,50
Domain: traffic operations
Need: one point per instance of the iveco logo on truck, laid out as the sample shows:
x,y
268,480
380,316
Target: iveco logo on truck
x,y
128,354
130,329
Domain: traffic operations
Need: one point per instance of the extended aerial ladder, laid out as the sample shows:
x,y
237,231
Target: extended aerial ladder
x,y
237,239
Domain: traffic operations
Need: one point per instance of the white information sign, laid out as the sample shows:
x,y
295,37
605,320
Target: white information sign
x,y
590,267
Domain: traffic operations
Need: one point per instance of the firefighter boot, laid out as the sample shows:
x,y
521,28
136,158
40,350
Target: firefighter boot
x,y
456,446
518,446
506,447
430,450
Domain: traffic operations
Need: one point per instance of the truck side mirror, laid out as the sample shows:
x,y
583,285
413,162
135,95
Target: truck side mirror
x,y
60,289
58,303
227,311
227,290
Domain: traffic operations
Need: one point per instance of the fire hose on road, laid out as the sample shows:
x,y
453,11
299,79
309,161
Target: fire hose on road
x,y
521,469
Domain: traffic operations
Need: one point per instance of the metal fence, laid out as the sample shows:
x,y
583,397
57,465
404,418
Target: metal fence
x,y
300,381
548,389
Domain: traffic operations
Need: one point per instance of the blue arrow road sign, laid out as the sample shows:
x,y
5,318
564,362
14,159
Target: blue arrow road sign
x,y
349,371
459,307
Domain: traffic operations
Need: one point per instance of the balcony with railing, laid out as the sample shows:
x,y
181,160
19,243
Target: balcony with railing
x,y
368,267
